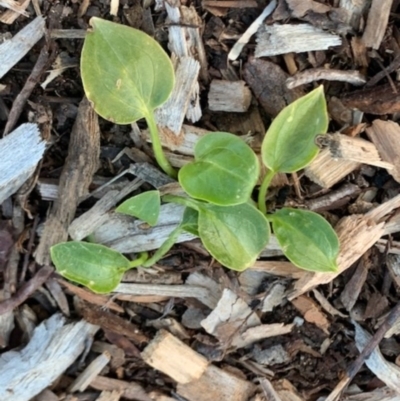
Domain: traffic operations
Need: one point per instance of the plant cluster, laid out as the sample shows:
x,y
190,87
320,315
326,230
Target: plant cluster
x,y
127,75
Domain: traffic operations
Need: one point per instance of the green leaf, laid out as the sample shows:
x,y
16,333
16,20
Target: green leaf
x,y
145,206
125,73
94,266
307,239
234,235
224,172
190,221
289,144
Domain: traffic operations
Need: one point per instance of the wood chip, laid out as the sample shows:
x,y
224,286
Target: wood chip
x,y
20,152
176,291
25,373
386,137
299,8
353,287
12,51
269,391
378,18
130,390
230,318
311,312
316,74
353,149
171,114
267,81
378,100
110,322
229,96
261,332
274,40
325,171
216,384
14,6
379,394
186,364
9,16
197,380
91,371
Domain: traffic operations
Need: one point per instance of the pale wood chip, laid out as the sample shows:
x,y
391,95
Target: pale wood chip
x,y
274,40
386,137
229,96
316,74
185,366
326,171
12,51
91,371
55,344
378,18
20,152
231,317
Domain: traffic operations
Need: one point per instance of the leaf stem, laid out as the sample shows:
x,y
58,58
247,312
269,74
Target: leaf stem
x,y
165,247
139,261
157,148
263,191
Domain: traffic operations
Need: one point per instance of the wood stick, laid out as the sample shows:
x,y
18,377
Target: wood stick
x,y
12,51
75,179
26,290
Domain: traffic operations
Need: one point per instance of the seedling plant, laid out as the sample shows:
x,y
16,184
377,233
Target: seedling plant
x,y
127,75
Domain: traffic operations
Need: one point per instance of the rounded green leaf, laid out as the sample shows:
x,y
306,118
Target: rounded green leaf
x,y
289,144
307,239
224,172
125,73
95,266
234,235
145,206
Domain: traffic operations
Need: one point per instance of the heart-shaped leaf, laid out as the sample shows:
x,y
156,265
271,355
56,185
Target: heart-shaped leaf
x,y
145,206
224,172
306,238
95,266
289,144
125,73
234,235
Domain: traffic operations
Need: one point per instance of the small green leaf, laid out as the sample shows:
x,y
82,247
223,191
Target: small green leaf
x,y
190,221
145,206
289,144
125,73
234,235
95,266
307,239
224,172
